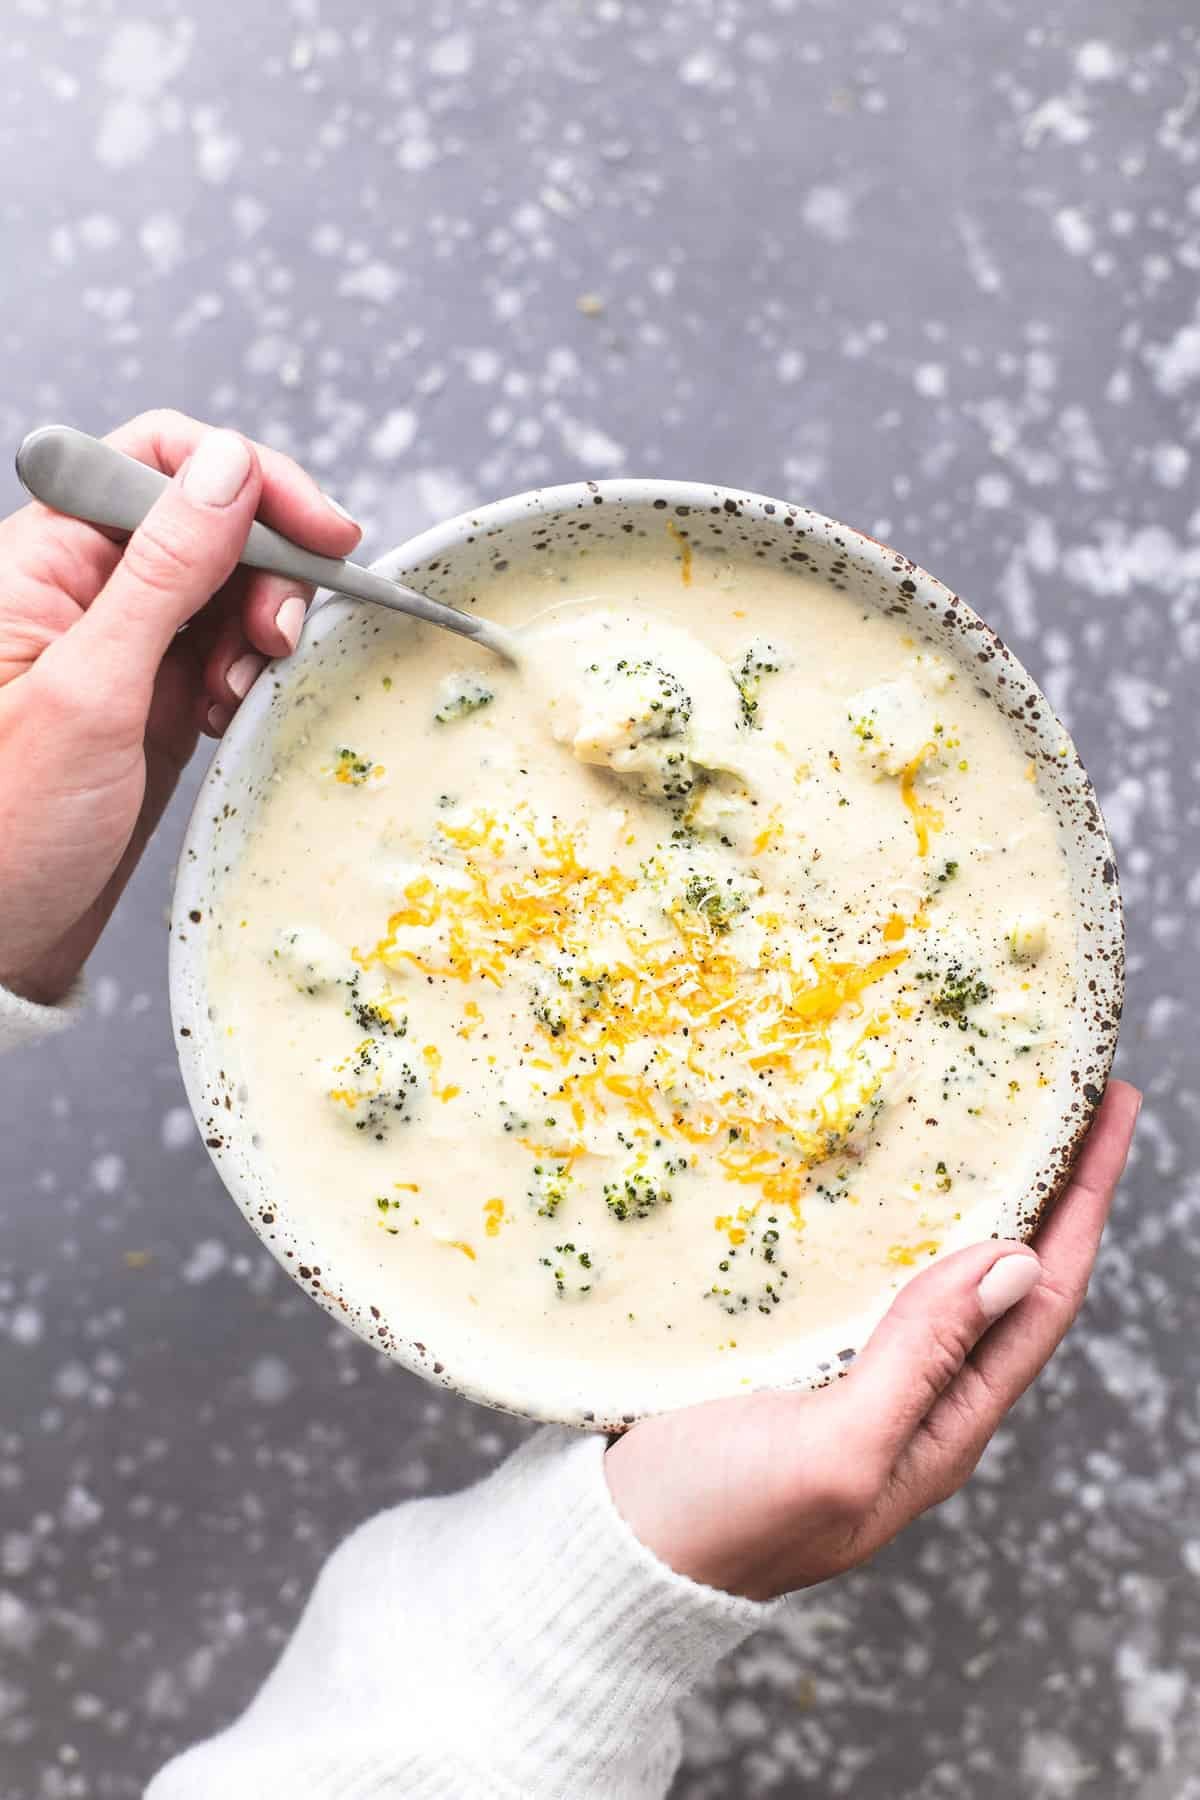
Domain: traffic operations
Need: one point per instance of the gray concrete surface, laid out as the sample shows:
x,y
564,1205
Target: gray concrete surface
x,y
929,265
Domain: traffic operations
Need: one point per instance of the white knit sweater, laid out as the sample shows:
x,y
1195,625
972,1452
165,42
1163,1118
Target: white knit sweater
x,y
514,1642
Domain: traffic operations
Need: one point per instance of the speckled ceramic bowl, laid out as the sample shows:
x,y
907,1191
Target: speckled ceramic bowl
x,y
456,562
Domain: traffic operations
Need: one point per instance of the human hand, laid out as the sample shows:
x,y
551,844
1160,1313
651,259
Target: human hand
x,y
101,702
764,1495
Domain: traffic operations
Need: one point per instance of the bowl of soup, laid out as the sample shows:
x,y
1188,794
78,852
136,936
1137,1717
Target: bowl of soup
x,y
624,1028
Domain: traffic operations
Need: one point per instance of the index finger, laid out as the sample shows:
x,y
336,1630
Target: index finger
x,y
291,500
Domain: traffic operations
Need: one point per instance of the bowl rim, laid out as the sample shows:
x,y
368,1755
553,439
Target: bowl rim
x,y
430,546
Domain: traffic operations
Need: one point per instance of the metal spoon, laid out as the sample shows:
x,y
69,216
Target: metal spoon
x,y
86,479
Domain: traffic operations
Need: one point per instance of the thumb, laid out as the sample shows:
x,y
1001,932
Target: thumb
x,y
925,1338
183,551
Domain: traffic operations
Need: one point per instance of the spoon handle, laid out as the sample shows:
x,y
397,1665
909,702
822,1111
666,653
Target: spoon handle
x,y
87,479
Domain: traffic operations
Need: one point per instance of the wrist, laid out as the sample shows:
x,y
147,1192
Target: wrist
x,y
692,1533
44,980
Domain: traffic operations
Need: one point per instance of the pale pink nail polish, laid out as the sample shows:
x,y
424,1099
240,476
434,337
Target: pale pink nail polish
x,y
1007,1282
338,508
243,674
218,469
218,720
289,620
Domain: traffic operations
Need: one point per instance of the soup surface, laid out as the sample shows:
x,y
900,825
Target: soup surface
x,y
663,1002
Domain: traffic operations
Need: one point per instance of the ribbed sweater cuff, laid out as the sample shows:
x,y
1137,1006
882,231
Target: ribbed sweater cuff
x,y
512,1642
607,1637
24,1021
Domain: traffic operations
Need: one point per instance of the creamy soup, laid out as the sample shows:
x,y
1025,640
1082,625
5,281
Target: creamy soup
x,y
663,1001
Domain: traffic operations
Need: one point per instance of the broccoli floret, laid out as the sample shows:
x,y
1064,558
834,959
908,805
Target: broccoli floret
x,y
350,768
962,989
741,1284
640,1191
311,959
565,1267
551,1185
550,1013
760,658
376,1113
375,1016
666,705
764,1298
718,903
462,694
375,1087
591,990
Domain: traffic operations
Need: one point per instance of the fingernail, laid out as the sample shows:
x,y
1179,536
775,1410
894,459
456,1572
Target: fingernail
x,y
289,620
218,469
218,720
1008,1281
338,508
243,674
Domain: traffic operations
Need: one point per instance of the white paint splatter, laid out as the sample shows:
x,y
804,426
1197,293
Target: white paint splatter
x,y
416,153
248,214
451,56
377,282
141,60
394,435
25,1326
700,69
441,493
108,1172
271,1380
217,155
482,365
72,1381
1052,1768
99,231
17,1552
1122,807
1123,559
1073,231
18,1624
981,264
1137,701
994,490
207,1259
929,379
1018,596
127,131
590,446
1061,117
1176,365
1151,1697
1097,61
1169,464
177,1129
828,212
80,1509
1041,545
161,237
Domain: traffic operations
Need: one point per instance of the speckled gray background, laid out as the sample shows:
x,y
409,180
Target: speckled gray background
x,y
930,265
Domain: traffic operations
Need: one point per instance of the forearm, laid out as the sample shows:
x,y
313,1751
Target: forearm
x,y
512,1640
